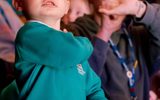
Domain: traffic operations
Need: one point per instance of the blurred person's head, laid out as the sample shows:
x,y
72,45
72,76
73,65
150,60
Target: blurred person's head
x,y
77,9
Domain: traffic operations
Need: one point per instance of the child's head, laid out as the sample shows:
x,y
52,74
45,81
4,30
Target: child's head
x,y
42,9
77,9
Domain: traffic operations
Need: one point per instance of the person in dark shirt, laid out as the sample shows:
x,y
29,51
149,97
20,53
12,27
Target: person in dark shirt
x,y
106,62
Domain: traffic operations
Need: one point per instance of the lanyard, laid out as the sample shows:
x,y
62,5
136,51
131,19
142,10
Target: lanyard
x,y
129,73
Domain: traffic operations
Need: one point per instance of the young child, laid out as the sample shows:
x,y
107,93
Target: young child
x,y
51,64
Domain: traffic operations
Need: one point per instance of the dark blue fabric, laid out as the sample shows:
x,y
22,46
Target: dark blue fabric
x,y
156,66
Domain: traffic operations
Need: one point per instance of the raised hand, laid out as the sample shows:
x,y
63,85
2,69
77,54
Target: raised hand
x,y
127,7
109,23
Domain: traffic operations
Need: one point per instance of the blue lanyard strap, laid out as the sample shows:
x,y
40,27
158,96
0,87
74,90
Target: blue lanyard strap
x,y
129,73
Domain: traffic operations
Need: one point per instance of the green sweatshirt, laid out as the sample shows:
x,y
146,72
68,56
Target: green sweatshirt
x,y
52,65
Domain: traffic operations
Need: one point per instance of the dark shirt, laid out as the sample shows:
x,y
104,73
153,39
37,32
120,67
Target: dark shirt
x,y
106,64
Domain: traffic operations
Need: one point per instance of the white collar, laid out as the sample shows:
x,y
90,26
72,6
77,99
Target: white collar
x,y
40,22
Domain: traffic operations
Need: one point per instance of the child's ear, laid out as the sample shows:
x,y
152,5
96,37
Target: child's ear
x,y
17,4
68,6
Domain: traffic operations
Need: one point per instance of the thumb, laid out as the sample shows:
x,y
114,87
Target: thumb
x,y
65,30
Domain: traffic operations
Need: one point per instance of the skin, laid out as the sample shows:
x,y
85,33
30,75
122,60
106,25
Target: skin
x,y
107,24
118,9
49,12
77,9
127,7
153,96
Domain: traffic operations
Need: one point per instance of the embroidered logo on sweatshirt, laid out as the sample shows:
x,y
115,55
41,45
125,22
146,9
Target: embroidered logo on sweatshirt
x,y
80,69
